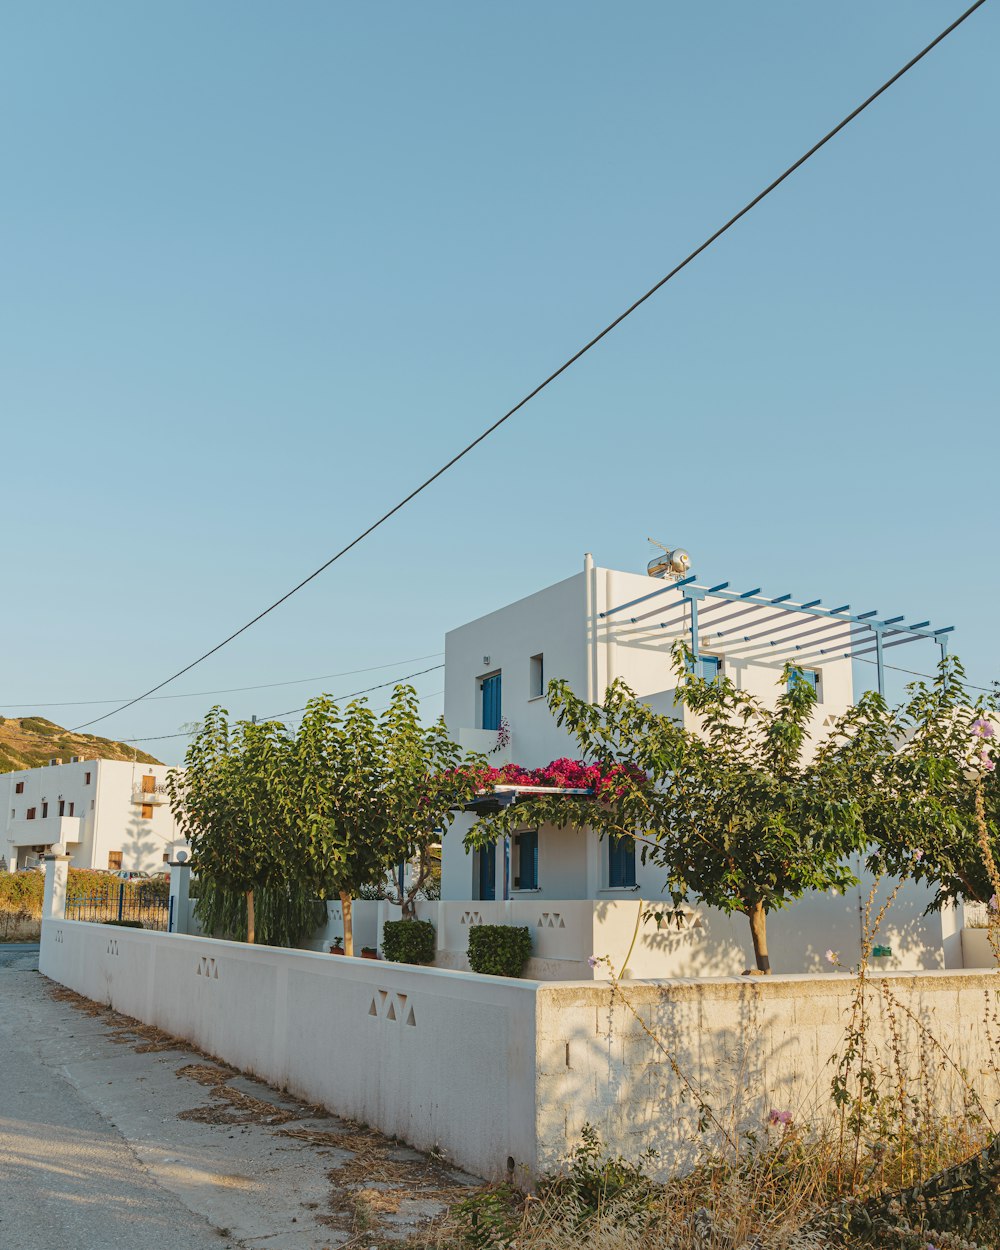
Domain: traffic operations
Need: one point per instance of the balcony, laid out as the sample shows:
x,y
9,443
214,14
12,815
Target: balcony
x,y
44,830
157,796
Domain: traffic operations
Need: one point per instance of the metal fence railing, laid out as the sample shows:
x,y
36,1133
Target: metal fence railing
x,y
119,903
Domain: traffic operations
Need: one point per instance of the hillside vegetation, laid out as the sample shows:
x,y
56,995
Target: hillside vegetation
x,y
31,741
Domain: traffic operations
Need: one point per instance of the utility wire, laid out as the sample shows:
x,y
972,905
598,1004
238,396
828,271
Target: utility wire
x,y
271,685
283,715
968,685
557,373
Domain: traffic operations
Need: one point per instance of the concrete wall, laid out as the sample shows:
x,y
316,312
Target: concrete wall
x,y
746,1047
490,1070
107,814
440,1059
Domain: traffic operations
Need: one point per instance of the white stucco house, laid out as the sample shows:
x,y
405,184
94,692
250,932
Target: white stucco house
x,y
580,895
108,814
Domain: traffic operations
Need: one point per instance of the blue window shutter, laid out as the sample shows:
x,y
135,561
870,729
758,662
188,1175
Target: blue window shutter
x,y
491,702
708,667
621,863
528,860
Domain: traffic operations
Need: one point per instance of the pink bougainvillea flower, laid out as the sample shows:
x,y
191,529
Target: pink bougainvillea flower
x,y
982,728
918,854
780,1117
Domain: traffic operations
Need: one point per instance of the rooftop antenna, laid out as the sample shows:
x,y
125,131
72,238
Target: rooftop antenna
x,y
672,564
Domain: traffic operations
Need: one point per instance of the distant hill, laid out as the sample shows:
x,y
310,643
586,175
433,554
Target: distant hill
x,y
31,741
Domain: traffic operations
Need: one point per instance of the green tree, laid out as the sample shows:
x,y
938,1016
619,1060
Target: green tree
x,y
738,813
920,770
370,792
230,803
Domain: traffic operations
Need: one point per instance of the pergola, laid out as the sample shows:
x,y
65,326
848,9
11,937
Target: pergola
x,y
756,628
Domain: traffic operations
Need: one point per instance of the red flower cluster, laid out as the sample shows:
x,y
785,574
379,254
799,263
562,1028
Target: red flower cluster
x,y
566,774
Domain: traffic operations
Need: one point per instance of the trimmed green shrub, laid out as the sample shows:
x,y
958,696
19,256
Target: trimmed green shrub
x,y
409,941
499,950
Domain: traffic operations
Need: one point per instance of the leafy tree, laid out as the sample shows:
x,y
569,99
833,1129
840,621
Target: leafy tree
x,y
229,802
370,792
919,771
737,813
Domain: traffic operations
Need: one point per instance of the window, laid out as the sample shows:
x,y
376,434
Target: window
x,y
809,676
31,813
536,677
147,811
490,686
708,667
114,859
71,807
621,863
86,779
526,844
19,787
62,807
91,804
45,810
166,857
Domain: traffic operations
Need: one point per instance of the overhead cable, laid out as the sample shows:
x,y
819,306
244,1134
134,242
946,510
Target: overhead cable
x,y
491,429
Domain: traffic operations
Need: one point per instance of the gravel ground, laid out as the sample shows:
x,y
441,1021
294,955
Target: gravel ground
x,y
115,1135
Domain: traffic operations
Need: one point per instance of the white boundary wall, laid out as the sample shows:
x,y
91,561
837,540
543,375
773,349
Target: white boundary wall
x,y
489,1069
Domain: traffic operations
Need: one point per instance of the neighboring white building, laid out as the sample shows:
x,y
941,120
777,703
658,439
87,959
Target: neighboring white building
x,y
106,813
589,629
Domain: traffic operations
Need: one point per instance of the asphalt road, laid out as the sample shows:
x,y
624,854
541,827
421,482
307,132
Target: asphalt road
x,y
67,1176
110,1141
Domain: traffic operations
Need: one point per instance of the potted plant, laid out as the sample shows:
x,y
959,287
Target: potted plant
x,y
338,945
369,952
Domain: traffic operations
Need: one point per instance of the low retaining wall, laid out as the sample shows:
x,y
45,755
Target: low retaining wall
x,y
497,1072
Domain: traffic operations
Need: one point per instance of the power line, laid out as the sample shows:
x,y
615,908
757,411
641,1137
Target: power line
x,y
191,694
283,715
556,373
968,685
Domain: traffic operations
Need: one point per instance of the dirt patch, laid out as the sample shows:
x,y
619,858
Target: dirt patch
x,y
383,1193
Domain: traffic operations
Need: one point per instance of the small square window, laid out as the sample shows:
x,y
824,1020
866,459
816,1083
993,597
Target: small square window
x,y
166,857
809,677
19,787
31,813
708,667
536,677
147,811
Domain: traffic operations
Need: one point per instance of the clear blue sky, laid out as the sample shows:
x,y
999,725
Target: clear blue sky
x,y
265,266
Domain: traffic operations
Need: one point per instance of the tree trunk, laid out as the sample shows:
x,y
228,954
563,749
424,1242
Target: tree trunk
x,y
758,929
250,925
345,907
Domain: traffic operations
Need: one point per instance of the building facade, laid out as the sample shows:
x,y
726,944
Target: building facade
x,y
106,813
601,624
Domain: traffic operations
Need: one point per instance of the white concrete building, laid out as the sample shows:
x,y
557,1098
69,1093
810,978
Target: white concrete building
x,y
590,628
107,814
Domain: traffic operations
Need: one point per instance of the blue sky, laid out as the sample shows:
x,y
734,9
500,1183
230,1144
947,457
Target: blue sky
x,y
266,266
